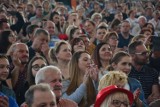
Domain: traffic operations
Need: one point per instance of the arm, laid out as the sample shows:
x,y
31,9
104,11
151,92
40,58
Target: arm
x,y
77,95
155,93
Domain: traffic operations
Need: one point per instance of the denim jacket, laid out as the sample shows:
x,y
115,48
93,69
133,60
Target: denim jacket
x,y
134,84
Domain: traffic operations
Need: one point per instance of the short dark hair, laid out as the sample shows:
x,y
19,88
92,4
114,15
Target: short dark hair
x,y
3,56
30,29
132,46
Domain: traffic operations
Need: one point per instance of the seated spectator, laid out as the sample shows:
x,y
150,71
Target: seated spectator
x,y
40,95
112,96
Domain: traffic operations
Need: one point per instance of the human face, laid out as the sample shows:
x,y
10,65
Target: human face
x,y
105,53
79,46
77,33
113,41
54,79
100,34
125,27
56,19
64,53
4,69
123,65
62,20
40,40
84,62
21,53
36,65
12,38
50,27
39,11
44,99
89,27
141,55
147,34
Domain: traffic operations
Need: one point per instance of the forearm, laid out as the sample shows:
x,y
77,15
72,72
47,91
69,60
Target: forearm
x,y
15,74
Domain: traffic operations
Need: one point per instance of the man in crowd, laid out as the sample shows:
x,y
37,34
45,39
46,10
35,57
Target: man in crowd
x,y
52,75
40,95
147,76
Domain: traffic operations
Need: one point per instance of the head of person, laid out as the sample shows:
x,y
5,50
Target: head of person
x,y
112,96
4,67
30,8
111,38
156,14
77,44
40,95
86,40
4,25
40,38
140,37
101,31
39,11
62,51
20,51
119,16
34,65
52,76
74,33
30,31
7,38
150,26
146,32
113,78
89,26
115,25
142,20
125,27
102,53
121,61
80,10
96,17
46,4
49,26
138,52
54,16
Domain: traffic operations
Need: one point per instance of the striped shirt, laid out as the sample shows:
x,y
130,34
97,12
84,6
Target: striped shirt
x,y
147,77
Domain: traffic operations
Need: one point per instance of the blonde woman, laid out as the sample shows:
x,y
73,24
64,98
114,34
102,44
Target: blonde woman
x,y
113,78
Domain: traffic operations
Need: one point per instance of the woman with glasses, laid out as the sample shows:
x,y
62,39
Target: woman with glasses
x,y
112,39
121,61
112,96
34,65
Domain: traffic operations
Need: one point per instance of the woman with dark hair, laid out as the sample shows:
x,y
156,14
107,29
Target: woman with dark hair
x,y
74,33
54,16
34,65
77,44
7,38
101,57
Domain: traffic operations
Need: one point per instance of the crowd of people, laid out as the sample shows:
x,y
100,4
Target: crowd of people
x,y
79,53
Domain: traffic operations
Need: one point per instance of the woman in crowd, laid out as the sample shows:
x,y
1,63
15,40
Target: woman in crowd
x,y
113,78
54,16
121,61
112,39
62,55
74,33
7,38
101,57
112,96
83,79
77,44
34,65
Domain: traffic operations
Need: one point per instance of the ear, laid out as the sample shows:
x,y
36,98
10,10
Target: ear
x,y
114,65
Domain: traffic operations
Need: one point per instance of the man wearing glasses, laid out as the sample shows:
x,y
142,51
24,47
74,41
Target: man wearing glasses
x,y
147,76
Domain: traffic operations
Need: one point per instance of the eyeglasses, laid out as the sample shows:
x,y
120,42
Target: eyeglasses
x,y
113,38
143,53
36,67
118,103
